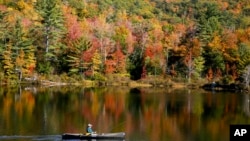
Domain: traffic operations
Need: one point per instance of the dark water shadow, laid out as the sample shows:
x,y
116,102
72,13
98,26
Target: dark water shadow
x,y
34,137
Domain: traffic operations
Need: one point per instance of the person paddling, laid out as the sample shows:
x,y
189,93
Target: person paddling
x,y
89,129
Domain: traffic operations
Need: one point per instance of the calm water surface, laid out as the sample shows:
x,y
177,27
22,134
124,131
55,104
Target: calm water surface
x,y
145,114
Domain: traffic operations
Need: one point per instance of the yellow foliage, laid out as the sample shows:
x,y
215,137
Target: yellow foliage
x,y
215,43
20,59
30,63
21,4
96,61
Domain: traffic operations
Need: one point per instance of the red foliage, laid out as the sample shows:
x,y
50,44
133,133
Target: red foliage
x,y
158,48
152,51
115,61
89,72
149,52
3,8
109,66
87,55
26,22
74,30
31,69
73,27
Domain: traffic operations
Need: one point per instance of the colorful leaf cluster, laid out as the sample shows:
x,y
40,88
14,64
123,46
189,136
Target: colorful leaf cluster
x,y
143,37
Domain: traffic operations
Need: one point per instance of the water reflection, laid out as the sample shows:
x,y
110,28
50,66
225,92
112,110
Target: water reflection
x,y
147,114
37,137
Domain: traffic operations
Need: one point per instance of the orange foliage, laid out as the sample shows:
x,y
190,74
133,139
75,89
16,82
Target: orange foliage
x,y
223,5
243,35
31,69
110,103
229,39
115,62
180,29
109,66
149,52
120,60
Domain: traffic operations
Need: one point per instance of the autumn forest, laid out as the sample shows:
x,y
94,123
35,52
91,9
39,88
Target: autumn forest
x,y
91,39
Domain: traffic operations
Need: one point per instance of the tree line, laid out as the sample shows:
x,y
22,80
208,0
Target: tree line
x,y
90,39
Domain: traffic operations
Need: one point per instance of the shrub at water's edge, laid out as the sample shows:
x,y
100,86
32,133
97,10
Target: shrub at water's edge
x,y
97,80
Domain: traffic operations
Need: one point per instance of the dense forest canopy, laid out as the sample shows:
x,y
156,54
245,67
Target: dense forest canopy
x,y
93,38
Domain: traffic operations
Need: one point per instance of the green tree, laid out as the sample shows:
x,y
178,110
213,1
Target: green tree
x,y
21,45
244,52
208,16
19,40
51,31
136,63
75,58
213,59
136,59
198,66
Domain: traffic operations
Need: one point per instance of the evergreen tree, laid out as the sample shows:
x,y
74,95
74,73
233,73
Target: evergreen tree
x,y
208,19
75,56
213,59
3,34
20,46
136,63
19,40
244,52
51,30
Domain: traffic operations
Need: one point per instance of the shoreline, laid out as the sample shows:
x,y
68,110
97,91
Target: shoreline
x,y
123,80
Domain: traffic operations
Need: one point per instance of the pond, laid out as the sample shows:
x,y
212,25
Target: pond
x,y
144,114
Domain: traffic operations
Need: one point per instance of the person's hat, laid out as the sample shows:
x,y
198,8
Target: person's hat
x,y
89,124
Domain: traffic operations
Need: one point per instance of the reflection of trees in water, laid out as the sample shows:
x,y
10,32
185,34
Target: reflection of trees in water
x,y
134,101
246,104
153,113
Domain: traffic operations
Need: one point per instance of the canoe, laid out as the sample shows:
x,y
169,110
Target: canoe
x,y
103,136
